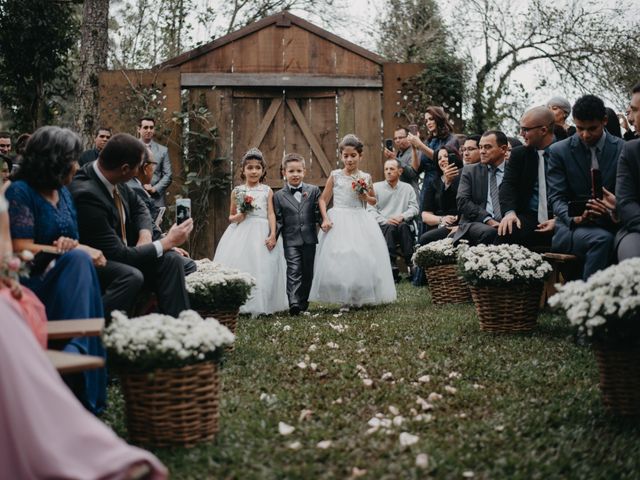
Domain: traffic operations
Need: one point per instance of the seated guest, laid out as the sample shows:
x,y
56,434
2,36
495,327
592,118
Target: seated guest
x,y
42,212
44,431
102,137
112,218
470,151
394,212
588,235
628,190
440,211
478,192
561,109
404,154
513,142
143,177
523,194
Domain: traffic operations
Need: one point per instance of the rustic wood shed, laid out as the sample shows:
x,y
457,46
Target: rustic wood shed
x,y
283,85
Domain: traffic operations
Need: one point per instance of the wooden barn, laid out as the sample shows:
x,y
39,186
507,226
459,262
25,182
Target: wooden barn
x,y
280,84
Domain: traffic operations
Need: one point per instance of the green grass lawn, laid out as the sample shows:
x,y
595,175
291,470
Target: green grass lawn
x,y
512,406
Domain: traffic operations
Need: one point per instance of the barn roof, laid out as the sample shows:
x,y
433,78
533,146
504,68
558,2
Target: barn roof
x,y
283,19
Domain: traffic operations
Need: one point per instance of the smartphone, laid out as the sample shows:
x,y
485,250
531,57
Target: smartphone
x,y
577,207
413,129
183,209
388,144
596,184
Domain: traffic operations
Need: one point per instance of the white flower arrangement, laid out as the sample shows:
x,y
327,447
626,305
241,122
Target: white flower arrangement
x,y
487,265
441,252
607,306
160,341
216,286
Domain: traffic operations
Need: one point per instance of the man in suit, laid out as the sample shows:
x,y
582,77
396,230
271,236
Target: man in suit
x,y
527,218
470,150
478,192
112,219
144,175
394,211
162,176
588,235
102,137
296,209
628,190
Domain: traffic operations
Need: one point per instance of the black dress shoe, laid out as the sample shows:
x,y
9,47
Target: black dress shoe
x,y
294,310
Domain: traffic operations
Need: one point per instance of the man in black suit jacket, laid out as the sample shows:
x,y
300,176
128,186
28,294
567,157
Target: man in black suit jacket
x,y
478,191
628,190
523,193
296,209
112,218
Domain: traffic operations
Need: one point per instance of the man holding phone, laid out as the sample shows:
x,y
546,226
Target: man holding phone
x,y
585,225
403,154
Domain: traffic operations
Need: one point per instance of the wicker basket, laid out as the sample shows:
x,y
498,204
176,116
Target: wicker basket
x,y
170,407
228,318
620,379
446,286
507,308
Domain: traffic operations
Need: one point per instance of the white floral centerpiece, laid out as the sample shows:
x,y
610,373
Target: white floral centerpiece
x,y
485,265
158,341
606,307
440,252
217,287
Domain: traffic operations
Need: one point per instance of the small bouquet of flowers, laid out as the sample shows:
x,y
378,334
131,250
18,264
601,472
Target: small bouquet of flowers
x,y
360,185
159,341
244,201
16,266
606,307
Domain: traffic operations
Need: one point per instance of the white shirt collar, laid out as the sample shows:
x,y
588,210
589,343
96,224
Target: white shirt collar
x,y
108,185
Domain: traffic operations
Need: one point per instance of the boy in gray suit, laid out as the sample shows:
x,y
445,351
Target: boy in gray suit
x,y
296,208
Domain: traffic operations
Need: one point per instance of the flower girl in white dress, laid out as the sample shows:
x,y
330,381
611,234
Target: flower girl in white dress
x,y
249,243
352,265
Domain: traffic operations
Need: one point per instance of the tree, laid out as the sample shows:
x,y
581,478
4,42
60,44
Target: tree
x,y
413,31
37,39
580,41
93,58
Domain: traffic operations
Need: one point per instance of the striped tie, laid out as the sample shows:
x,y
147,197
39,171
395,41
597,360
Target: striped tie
x,y
493,191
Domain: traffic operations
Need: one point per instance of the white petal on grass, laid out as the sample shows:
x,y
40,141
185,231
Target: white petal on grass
x,y
286,328
324,444
450,389
398,420
455,375
285,429
305,415
468,474
313,366
337,401
312,348
374,325
406,439
499,428
422,355
367,382
386,376
374,422
433,397
333,345
424,379
477,386
394,410
357,472
301,365
422,460
295,445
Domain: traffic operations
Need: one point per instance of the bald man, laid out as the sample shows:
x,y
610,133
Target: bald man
x,y
528,218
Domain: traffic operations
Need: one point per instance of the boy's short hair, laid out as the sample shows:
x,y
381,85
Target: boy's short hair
x,y
293,157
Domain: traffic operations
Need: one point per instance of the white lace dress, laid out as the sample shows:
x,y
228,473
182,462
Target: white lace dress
x,y
243,247
352,265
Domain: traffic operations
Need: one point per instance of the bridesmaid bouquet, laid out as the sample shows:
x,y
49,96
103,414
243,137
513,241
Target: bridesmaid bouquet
x,y
245,202
360,185
14,267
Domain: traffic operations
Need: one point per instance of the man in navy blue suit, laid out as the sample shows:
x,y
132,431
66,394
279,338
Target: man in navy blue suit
x,y
572,163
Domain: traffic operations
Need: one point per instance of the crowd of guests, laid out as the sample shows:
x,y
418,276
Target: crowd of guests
x,y
566,188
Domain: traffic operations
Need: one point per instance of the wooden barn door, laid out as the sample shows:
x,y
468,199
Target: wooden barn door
x,y
280,121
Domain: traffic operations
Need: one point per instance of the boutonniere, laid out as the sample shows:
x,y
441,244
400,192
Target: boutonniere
x,y
305,194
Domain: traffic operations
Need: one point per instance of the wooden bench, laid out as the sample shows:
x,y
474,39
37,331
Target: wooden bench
x,y
566,267
72,363
66,329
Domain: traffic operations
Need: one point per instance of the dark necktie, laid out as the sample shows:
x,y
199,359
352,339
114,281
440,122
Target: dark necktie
x,y
495,194
118,201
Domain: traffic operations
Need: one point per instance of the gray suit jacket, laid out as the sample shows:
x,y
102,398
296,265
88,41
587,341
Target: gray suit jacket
x,y
628,190
472,197
297,222
569,178
162,174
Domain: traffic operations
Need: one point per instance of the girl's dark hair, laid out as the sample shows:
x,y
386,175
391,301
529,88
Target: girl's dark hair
x,y
454,155
49,158
350,140
613,124
443,127
253,154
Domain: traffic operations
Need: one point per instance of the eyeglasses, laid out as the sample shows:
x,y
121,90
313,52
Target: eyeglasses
x,y
528,129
